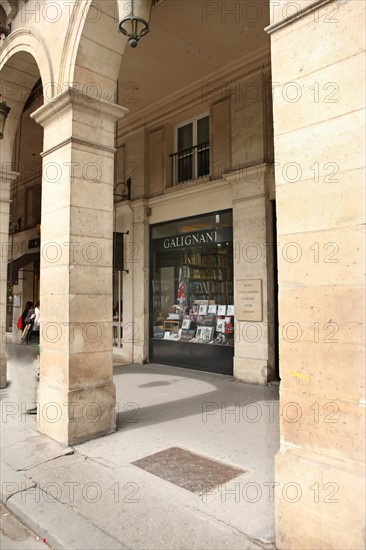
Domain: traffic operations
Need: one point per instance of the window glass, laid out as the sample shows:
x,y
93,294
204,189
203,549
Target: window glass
x,y
203,130
192,280
185,137
192,159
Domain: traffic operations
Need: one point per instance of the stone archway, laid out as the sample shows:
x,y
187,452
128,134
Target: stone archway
x,y
77,189
93,50
22,56
77,228
24,59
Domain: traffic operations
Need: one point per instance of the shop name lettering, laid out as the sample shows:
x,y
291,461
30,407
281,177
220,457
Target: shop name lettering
x,y
189,240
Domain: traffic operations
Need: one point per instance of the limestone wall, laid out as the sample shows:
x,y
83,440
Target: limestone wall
x,y
318,70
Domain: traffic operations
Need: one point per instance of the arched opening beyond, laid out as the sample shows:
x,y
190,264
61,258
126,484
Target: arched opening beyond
x,y
24,61
23,262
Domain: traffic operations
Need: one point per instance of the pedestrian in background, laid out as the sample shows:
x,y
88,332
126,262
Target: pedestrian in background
x,y
31,333
34,331
28,306
24,315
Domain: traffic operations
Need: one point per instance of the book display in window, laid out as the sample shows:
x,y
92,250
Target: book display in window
x,y
192,296
196,328
209,283
203,291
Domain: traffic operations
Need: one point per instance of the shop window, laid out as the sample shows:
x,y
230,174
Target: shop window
x,y
192,285
117,310
118,269
192,157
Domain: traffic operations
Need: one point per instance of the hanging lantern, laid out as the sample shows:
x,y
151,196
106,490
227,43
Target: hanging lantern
x,y
134,18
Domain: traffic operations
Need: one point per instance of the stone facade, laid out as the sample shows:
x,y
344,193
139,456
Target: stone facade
x,y
240,179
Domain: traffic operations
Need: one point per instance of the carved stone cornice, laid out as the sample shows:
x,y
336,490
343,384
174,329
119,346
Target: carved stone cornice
x,y
296,15
73,98
7,175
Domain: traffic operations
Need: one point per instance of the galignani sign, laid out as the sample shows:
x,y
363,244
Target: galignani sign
x,y
189,240
198,238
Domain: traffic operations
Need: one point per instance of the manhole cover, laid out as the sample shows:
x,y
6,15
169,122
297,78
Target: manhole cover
x,y
193,472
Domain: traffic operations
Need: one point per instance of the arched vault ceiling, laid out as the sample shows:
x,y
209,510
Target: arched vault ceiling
x,y
186,42
18,76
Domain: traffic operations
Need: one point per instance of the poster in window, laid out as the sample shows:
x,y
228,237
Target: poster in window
x,y
186,324
220,325
221,311
207,334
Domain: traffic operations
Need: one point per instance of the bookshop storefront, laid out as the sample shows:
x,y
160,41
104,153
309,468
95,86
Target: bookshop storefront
x,y
192,297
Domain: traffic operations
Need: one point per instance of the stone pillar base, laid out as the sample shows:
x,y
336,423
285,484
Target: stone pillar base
x,y
252,371
75,416
325,499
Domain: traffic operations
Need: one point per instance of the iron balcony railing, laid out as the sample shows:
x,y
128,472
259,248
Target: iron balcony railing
x,y
191,164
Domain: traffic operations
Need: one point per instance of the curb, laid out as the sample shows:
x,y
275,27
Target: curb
x,y
62,528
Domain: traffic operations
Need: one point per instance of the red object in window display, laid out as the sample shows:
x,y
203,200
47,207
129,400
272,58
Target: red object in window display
x,y
229,328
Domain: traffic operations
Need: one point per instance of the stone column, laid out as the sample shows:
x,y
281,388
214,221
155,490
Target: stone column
x,y
318,79
77,394
253,264
140,266
124,224
6,177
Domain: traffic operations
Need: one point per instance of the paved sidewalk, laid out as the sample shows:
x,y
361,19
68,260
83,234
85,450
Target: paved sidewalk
x,y
93,496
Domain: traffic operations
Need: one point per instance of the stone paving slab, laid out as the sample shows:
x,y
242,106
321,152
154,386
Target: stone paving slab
x,y
15,430
12,482
30,452
145,512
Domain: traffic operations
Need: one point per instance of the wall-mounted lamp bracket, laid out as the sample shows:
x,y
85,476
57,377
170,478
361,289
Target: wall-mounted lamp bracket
x,y
126,193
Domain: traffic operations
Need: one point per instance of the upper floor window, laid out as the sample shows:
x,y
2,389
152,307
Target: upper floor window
x,y
192,158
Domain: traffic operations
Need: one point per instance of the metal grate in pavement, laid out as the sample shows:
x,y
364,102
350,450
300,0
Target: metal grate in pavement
x,y
189,470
